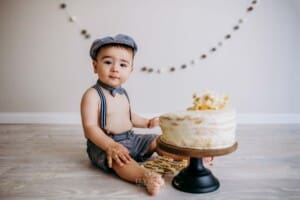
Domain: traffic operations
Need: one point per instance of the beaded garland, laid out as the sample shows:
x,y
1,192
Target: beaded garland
x,y
85,33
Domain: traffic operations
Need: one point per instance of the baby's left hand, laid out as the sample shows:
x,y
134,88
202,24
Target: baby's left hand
x,y
153,122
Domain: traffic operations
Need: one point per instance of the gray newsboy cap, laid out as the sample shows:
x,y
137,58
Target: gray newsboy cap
x,y
118,39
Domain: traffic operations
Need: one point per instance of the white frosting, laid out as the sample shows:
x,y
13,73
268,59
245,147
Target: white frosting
x,y
199,129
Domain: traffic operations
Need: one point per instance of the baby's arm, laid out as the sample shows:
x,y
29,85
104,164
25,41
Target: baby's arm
x,y
141,122
90,105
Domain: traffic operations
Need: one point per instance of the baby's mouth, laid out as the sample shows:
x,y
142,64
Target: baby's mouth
x,y
114,77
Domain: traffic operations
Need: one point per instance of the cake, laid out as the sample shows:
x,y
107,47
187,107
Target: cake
x,y
208,124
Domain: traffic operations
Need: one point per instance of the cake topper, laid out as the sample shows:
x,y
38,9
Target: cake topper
x,y
209,101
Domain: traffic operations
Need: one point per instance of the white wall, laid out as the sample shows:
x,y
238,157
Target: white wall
x,y
295,68
45,66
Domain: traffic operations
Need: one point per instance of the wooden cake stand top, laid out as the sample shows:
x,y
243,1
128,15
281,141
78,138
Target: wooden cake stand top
x,y
196,153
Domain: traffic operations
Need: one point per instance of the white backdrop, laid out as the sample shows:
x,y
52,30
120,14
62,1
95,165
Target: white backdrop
x,y
45,65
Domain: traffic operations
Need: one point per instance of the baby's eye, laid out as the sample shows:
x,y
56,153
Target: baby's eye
x,y
123,65
108,62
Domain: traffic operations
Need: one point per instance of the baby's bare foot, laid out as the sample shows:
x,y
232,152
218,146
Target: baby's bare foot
x,y
153,182
208,160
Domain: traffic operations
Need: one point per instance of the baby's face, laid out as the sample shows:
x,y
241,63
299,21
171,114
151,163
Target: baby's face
x,y
113,65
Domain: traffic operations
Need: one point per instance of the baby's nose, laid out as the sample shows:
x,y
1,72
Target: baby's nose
x,y
115,67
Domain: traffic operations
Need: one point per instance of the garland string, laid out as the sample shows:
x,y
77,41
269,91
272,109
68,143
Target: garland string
x,y
85,33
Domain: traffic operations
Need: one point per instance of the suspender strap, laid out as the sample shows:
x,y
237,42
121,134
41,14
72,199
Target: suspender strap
x,y
103,106
129,104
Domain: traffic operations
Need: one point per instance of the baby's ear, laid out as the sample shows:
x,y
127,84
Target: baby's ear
x,y
95,66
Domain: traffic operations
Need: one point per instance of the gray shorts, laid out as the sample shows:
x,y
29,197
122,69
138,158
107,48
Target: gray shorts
x,y
137,144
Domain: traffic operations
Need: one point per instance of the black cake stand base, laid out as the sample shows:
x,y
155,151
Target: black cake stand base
x,y
196,178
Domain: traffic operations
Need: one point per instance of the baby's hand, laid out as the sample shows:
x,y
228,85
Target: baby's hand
x,y
118,153
153,122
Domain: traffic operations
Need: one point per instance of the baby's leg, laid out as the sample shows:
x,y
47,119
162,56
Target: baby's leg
x,y
133,172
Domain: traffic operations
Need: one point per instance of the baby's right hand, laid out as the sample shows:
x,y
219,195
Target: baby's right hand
x,y
118,153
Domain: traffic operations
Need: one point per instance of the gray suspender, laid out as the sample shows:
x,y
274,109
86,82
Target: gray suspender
x,y
129,104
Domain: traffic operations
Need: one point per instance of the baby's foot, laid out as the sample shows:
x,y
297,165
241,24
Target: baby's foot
x,y
208,160
153,182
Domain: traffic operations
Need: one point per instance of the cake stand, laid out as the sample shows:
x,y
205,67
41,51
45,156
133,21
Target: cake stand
x,y
195,178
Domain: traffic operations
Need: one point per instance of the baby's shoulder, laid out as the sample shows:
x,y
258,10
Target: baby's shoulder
x,y
91,95
90,92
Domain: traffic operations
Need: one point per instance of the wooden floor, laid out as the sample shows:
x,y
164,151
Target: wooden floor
x,y
50,162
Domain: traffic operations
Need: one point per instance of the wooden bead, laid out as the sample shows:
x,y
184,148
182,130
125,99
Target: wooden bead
x,y
254,2
72,19
228,36
249,9
63,5
183,66
83,32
